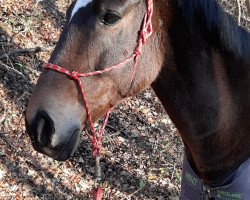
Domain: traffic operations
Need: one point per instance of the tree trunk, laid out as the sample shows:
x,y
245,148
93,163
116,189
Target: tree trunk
x,y
248,6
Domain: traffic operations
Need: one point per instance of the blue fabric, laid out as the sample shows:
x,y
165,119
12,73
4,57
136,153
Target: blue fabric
x,y
192,187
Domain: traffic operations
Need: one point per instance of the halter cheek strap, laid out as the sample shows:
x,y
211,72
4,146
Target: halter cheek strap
x,y
95,137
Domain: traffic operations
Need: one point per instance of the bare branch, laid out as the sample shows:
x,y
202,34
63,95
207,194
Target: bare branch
x,y
248,6
239,11
22,51
10,68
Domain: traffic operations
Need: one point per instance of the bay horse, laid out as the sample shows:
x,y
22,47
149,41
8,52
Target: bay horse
x,y
197,61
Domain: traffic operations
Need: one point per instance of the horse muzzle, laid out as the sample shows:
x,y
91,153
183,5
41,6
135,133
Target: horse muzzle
x,y
47,140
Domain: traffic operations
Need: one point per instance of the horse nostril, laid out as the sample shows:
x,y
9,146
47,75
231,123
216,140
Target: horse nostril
x,y
39,130
44,129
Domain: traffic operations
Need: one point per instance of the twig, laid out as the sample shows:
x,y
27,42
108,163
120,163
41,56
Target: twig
x,y
5,140
2,119
23,95
10,68
129,196
239,10
116,130
22,51
248,6
172,175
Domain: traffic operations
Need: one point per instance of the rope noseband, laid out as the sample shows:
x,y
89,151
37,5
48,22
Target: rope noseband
x,y
96,138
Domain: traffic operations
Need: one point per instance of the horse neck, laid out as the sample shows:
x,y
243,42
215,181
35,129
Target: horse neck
x,y
197,88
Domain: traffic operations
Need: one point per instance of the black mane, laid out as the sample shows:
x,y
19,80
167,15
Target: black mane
x,y
232,37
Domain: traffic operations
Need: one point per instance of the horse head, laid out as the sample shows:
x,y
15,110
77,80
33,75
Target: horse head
x,y
98,34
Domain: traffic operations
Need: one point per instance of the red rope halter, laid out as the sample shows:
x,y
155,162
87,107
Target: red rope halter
x,y
96,138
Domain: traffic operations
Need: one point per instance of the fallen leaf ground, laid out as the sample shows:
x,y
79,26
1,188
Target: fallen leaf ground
x,y
142,154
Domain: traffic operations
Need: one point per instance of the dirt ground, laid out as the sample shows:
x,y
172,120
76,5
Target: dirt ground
x,y
142,149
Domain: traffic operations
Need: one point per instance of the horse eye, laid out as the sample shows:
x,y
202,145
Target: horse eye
x,y
110,18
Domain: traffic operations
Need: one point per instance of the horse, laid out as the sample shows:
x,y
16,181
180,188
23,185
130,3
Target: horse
x,y
197,61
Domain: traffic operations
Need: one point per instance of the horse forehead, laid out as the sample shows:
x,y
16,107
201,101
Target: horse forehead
x,y
79,4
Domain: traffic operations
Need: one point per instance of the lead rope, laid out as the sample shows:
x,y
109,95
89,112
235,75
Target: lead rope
x,y
96,138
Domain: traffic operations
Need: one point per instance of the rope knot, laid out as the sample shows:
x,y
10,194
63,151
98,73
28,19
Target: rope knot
x,y
137,52
73,75
97,148
143,37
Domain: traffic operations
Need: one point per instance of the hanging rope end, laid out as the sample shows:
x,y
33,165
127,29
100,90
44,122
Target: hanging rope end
x,y
97,190
97,193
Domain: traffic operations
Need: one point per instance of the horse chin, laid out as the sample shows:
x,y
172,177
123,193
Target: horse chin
x,y
63,152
